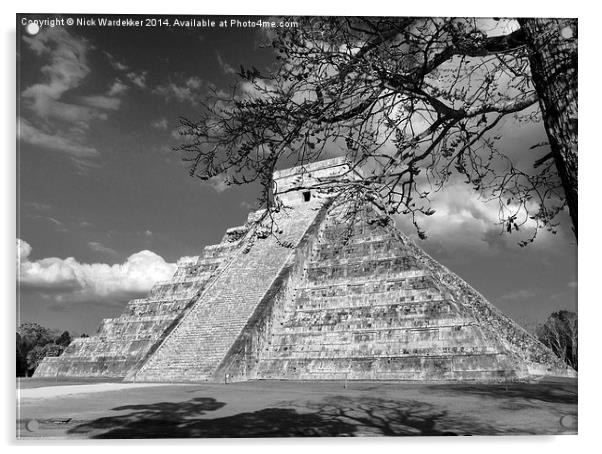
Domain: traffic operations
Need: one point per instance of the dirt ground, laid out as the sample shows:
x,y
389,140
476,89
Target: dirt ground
x,y
105,409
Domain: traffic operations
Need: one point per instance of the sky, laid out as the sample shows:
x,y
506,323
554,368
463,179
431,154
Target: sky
x,y
106,208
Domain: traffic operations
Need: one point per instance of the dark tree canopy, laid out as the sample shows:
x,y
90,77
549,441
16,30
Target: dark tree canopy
x,y
33,334
64,339
413,103
38,353
21,363
560,333
34,342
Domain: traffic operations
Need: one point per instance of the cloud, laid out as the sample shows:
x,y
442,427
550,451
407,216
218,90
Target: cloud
x,y
138,78
188,90
517,296
58,225
51,117
116,64
38,206
67,66
262,88
66,69
99,247
23,251
161,123
102,102
117,88
227,68
462,218
218,183
71,281
248,205
30,134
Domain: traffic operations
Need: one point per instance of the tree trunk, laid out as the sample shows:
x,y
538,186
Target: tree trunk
x,y
553,58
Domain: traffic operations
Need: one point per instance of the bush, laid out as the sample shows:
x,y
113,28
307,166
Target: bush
x,y
34,342
38,353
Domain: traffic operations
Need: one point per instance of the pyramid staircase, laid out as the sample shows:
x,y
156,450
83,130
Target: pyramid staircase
x,y
121,343
195,349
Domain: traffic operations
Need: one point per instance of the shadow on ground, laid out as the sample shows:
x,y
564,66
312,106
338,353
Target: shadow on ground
x,y
561,392
336,416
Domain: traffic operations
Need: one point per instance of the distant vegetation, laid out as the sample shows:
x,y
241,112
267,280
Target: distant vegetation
x,y
559,332
34,343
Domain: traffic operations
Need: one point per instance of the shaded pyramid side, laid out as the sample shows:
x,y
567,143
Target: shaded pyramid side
x,y
121,343
369,304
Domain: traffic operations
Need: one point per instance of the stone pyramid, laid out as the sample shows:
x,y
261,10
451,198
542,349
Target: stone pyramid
x,y
310,295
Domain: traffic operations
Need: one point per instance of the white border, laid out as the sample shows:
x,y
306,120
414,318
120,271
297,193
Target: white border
x,y
590,164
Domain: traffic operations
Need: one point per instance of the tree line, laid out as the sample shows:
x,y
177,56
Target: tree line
x,y
35,342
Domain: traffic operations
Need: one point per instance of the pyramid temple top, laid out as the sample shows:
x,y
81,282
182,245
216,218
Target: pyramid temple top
x,y
296,184
319,166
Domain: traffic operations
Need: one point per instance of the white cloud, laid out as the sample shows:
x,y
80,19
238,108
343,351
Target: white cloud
x,y
116,64
177,133
226,67
49,118
161,123
58,225
38,206
65,71
67,67
462,218
72,281
218,183
517,295
23,251
187,91
102,102
262,88
34,136
117,88
99,247
138,78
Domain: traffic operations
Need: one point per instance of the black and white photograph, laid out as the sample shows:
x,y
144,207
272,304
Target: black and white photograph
x,y
267,226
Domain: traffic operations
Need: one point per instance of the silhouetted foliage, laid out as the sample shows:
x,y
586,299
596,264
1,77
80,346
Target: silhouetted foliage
x,y
34,334
21,359
559,332
38,353
34,342
411,102
64,339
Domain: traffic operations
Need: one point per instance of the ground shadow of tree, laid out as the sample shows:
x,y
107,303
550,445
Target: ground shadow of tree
x,y
185,420
561,392
337,416
385,417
